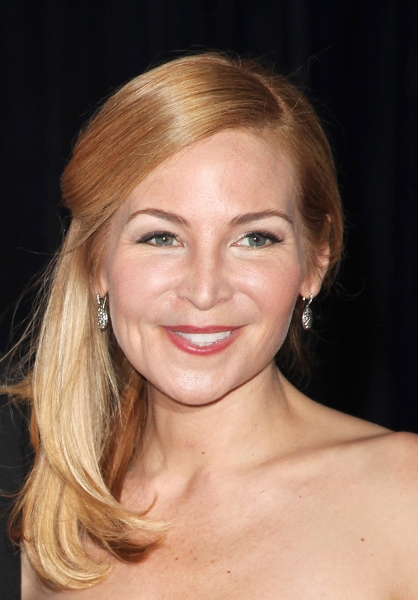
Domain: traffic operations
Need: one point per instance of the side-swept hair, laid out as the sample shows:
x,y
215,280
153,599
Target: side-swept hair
x,y
88,404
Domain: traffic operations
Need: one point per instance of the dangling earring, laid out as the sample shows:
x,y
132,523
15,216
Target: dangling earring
x,y
307,316
102,314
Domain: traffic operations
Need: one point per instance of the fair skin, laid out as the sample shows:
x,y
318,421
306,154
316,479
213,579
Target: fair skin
x,y
270,495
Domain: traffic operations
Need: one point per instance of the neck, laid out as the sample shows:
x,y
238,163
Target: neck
x,y
244,428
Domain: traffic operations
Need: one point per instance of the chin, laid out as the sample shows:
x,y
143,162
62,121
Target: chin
x,y
195,389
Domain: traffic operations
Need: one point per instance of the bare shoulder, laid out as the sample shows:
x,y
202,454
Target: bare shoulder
x,y
371,475
377,447
396,452
395,456
391,474
368,451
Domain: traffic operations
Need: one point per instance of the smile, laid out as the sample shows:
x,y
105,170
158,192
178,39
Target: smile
x,y
204,339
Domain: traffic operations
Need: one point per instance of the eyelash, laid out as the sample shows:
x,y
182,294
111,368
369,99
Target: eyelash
x,y
149,236
274,239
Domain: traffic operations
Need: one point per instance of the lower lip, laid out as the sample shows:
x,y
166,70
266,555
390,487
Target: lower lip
x,y
183,344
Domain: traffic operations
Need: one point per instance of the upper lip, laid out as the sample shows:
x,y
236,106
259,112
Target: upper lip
x,y
207,329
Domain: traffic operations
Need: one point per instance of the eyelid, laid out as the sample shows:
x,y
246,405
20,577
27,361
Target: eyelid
x,y
275,239
148,236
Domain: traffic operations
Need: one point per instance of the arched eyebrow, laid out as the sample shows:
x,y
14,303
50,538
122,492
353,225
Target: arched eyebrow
x,y
238,220
161,214
257,216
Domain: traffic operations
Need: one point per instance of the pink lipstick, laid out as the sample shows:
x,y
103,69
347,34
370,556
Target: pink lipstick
x,y
202,340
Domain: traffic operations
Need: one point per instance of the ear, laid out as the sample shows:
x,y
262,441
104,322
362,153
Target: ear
x,y
99,283
316,272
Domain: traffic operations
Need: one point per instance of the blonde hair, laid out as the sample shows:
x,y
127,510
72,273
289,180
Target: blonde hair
x,y
88,405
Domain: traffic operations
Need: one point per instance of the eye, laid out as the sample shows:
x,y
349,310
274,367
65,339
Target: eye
x,y
160,238
257,239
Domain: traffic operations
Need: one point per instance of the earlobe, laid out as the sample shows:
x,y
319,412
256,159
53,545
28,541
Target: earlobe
x,y
312,284
99,285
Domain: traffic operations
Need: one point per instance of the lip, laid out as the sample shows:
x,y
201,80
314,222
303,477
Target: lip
x,y
186,346
207,329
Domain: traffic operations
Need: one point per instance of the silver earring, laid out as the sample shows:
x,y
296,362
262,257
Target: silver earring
x,y
102,314
307,316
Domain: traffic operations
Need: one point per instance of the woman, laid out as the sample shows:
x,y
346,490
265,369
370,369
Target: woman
x,y
172,458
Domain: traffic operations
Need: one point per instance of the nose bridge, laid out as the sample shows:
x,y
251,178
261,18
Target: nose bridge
x,y
207,279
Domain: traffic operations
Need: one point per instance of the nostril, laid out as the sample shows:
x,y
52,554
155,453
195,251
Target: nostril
x,y
205,287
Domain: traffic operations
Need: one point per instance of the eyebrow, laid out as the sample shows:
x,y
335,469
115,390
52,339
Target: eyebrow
x,y
238,220
257,216
160,214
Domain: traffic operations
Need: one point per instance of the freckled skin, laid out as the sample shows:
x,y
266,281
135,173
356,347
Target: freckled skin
x,y
270,495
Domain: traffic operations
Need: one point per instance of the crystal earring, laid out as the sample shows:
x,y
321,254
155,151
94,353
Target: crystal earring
x,y
102,314
307,316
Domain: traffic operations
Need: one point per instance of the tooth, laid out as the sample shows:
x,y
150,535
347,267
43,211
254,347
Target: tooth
x,y
204,339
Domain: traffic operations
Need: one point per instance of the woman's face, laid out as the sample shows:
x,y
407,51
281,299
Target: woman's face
x,y
204,264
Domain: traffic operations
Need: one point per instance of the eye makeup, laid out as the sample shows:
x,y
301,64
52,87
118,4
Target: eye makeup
x,y
255,239
258,239
162,238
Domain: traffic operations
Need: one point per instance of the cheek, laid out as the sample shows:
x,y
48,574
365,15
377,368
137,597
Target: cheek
x,y
275,288
137,290
275,291
134,286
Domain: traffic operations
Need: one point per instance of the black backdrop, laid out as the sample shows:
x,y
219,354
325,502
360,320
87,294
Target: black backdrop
x,y
357,61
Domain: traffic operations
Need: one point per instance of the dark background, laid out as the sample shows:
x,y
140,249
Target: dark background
x,y
356,60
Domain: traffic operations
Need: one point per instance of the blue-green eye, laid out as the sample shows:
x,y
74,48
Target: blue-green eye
x,y
163,240
258,239
159,238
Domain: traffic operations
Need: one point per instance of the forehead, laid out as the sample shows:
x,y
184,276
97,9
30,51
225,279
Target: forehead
x,y
233,171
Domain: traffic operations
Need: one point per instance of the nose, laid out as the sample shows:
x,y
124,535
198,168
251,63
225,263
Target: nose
x,y
206,281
